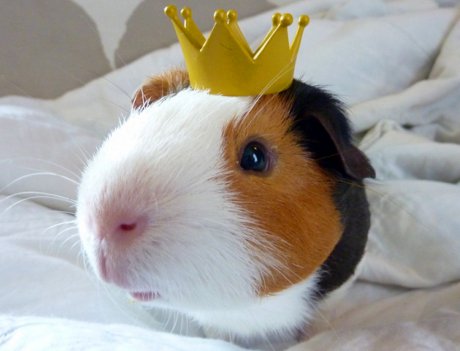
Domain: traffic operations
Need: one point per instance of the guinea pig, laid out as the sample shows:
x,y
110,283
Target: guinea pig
x,y
243,213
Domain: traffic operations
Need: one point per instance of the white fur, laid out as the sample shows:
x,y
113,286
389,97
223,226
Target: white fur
x,y
199,254
284,313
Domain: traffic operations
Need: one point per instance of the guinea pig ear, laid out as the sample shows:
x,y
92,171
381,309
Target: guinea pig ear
x,y
158,86
325,132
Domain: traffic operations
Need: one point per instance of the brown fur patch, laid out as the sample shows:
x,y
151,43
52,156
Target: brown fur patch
x,y
158,86
292,202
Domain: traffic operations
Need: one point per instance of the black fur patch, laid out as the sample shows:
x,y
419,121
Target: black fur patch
x,y
325,132
352,203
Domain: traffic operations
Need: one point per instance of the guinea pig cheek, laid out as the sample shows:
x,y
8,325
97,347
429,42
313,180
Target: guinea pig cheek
x,y
291,205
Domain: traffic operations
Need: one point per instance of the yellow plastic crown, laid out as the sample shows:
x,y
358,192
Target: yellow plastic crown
x,y
225,64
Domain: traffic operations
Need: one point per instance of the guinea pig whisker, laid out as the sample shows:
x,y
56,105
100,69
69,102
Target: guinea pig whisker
x,y
168,320
275,79
331,327
254,103
176,318
73,236
260,110
118,87
283,274
113,84
69,74
44,196
107,292
181,326
144,100
39,194
75,244
60,224
16,86
83,156
65,230
71,213
41,160
122,108
372,185
269,84
54,246
268,343
85,263
57,236
253,106
26,176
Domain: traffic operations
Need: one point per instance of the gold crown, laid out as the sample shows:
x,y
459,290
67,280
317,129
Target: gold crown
x,y
225,64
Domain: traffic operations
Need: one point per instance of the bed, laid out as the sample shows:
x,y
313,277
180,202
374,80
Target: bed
x,y
396,64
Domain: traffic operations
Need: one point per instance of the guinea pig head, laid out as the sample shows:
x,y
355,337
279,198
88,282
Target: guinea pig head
x,y
201,201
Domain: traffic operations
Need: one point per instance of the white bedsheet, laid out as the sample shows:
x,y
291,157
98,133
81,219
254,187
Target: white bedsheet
x,y
395,63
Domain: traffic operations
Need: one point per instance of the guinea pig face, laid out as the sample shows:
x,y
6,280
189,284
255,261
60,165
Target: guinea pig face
x,y
200,201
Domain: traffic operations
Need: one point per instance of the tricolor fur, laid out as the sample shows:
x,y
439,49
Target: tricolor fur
x,y
245,254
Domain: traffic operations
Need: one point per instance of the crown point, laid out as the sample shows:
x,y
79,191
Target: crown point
x,y
286,20
304,20
170,11
220,16
232,16
276,18
186,12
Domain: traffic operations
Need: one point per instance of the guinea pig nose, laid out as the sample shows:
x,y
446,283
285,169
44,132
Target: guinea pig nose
x,y
128,227
132,226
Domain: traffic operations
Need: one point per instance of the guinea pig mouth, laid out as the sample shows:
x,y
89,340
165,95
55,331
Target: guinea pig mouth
x,y
144,295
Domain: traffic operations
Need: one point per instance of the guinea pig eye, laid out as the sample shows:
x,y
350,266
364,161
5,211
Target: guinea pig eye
x,y
255,157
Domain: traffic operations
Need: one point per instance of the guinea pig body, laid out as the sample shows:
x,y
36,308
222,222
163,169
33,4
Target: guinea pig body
x,y
240,212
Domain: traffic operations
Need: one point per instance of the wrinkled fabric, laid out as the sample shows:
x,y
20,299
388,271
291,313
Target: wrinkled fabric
x,y
396,64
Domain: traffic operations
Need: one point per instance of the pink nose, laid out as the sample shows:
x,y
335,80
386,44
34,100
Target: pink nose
x,y
132,227
128,227
120,229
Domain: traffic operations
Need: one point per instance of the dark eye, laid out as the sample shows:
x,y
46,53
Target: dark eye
x,y
254,157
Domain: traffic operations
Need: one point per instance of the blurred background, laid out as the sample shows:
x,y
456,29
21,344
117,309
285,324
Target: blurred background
x,y
49,47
